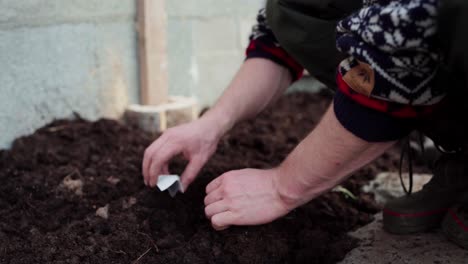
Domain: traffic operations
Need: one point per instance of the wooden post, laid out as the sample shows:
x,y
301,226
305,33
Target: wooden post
x,y
152,22
157,111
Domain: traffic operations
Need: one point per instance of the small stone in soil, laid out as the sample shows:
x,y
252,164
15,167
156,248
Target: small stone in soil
x,y
103,212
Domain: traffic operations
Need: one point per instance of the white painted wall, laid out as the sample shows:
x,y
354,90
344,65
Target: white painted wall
x,y
61,56
207,41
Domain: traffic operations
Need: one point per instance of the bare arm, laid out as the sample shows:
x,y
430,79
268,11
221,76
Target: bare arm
x,y
320,162
258,83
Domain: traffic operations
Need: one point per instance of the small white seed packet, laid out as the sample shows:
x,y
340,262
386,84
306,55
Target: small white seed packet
x,y
171,183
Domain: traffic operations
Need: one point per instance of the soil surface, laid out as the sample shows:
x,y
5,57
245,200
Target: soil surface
x,y
58,185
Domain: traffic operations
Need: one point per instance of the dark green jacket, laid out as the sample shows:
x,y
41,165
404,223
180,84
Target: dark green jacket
x,y
306,30
453,36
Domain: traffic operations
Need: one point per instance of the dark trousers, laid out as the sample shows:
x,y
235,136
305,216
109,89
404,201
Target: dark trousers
x,y
448,126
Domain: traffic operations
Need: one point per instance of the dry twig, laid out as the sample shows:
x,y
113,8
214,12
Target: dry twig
x,y
151,240
141,256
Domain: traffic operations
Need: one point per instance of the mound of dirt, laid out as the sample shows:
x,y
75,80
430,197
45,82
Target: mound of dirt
x,y
73,193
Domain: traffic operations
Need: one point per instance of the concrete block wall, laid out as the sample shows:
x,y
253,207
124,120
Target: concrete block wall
x,y
58,57
62,56
207,39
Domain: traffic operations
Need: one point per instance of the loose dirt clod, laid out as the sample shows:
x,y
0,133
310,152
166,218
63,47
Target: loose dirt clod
x,y
113,180
75,186
39,224
128,203
103,212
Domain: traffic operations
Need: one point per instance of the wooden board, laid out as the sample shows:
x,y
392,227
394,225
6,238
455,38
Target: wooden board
x,y
152,22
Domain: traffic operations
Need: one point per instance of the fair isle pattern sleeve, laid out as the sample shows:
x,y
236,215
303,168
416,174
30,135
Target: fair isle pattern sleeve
x,y
393,53
263,44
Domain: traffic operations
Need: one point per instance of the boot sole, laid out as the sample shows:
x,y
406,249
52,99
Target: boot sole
x,y
455,230
402,224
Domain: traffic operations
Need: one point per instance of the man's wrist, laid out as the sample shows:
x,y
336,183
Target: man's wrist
x,y
290,196
218,121
297,183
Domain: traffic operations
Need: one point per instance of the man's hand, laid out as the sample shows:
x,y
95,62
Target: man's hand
x,y
244,197
320,162
196,141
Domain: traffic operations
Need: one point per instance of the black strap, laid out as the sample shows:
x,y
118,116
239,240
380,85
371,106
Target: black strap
x,y
407,149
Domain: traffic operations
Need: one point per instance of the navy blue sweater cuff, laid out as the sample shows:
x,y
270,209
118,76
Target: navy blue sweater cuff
x,y
369,124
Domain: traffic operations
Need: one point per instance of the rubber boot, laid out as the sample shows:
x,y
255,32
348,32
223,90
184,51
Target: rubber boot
x,y
455,225
425,209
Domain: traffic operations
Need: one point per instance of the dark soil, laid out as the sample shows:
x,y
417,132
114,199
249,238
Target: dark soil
x,y
42,221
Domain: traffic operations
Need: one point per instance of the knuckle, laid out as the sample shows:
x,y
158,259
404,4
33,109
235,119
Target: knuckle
x,y
229,202
207,212
224,189
151,183
152,178
229,176
215,220
155,181
222,192
219,181
222,182
170,146
227,183
190,176
236,208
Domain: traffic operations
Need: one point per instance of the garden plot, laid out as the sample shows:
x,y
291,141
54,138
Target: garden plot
x,y
73,193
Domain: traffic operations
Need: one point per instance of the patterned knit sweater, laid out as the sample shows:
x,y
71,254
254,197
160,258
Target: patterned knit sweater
x,y
386,83
393,51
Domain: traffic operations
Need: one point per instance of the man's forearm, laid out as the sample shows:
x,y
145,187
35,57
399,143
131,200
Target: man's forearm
x,y
322,160
258,83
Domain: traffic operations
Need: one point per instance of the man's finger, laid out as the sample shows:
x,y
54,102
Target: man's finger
x,y
223,220
159,161
191,171
146,163
165,169
214,184
148,157
149,153
216,208
213,197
